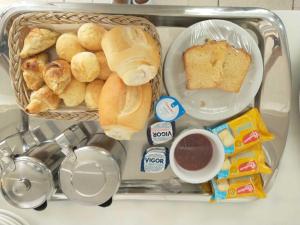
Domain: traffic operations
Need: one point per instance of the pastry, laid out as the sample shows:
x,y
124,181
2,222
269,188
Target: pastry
x,y
203,64
92,94
132,53
38,40
90,36
104,71
33,71
67,46
85,66
57,75
74,93
123,110
42,100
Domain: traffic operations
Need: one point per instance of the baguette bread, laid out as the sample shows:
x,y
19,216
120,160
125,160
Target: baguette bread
x,y
203,64
235,68
124,110
132,53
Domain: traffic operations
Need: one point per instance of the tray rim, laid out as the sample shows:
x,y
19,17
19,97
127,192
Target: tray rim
x,y
220,12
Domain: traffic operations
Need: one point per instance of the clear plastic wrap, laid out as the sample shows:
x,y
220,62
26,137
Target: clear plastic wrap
x,y
212,104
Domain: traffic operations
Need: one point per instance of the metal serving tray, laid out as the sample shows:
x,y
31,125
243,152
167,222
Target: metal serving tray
x,y
273,99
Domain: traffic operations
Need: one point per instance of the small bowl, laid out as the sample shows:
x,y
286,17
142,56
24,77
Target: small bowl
x,y
210,170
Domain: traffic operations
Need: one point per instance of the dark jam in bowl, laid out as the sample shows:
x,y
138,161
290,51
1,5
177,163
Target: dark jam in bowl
x,y
193,152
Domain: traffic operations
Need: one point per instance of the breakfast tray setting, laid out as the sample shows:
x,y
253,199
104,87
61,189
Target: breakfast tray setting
x,y
168,26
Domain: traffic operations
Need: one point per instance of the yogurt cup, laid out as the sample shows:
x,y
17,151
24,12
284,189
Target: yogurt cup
x,y
208,171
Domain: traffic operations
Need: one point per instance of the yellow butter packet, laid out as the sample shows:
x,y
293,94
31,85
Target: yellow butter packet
x,y
249,162
249,186
242,132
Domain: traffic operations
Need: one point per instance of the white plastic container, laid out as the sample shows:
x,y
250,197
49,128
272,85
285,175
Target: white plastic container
x,y
210,170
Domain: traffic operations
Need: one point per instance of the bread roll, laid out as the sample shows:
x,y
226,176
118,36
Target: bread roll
x,y
57,75
132,53
90,36
74,93
85,66
67,46
33,71
104,71
123,110
42,100
92,94
38,40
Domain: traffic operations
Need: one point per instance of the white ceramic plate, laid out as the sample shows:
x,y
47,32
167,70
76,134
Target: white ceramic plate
x,y
10,218
212,104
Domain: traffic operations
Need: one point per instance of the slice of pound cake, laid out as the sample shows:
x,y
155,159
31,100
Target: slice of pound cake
x,y
235,68
203,64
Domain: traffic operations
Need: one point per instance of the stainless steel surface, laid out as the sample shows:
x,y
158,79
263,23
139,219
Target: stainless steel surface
x,y
93,176
273,99
48,153
114,147
28,185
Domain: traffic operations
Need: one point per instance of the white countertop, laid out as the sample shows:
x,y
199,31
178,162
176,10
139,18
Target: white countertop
x,y
282,206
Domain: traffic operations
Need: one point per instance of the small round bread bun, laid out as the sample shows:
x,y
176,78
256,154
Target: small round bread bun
x,y
74,93
67,45
90,36
85,66
92,94
57,75
105,71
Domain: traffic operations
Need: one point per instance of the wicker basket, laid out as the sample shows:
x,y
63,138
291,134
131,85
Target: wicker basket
x,y
18,31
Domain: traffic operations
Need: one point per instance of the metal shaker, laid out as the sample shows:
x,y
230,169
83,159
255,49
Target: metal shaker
x,y
92,174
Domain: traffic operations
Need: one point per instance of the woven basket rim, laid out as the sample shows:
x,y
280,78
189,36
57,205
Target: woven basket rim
x,y
34,19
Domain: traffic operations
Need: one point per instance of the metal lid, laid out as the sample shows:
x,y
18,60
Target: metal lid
x,y
92,177
29,185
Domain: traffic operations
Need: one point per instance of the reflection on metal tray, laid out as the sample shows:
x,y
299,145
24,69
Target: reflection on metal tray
x,y
273,99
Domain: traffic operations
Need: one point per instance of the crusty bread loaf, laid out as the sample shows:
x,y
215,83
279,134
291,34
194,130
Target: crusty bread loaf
x,y
132,53
33,68
57,75
38,40
42,100
203,64
123,110
235,68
